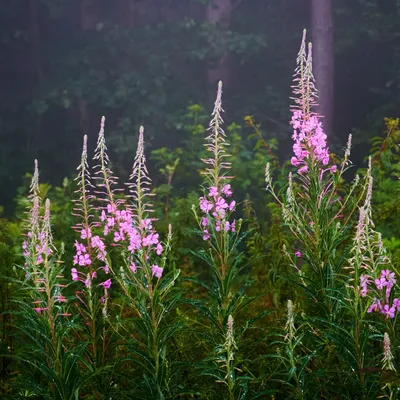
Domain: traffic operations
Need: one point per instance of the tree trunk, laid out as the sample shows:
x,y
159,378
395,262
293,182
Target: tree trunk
x,y
323,60
35,35
220,14
89,16
126,13
34,31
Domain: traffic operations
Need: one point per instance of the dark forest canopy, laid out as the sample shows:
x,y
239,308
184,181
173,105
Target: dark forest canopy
x,y
68,62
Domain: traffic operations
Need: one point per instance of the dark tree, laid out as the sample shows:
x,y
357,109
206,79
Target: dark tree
x,y
323,57
219,13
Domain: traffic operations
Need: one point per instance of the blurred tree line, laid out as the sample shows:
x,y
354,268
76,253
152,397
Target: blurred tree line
x,y
67,62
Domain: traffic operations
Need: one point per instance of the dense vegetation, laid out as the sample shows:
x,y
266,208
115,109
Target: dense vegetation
x,y
288,293
242,258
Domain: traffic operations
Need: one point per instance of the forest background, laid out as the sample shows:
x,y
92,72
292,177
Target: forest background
x,y
156,63
144,62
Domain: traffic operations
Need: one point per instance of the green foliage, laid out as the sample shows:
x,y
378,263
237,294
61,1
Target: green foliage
x,y
277,296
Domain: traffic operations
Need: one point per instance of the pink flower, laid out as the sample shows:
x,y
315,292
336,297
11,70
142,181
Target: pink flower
x,y
226,190
227,226
106,284
232,205
375,306
118,236
333,169
294,161
206,235
146,223
152,238
80,248
156,271
205,205
133,267
84,260
396,304
380,283
388,311
110,222
304,168
233,226
97,242
86,233
134,241
220,204
297,253
213,191
74,274
204,221
159,249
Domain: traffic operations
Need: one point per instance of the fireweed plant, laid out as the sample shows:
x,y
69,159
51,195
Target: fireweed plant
x,y
226,295
123,247
344,280
43,321
313,208
90,273
113,324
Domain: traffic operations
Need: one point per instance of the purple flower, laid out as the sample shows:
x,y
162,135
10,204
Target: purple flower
x,y
297,253
156,271
226,190
206,235
294,161
205,205
380,283
84,260
220,204
152,238
118,236
74,274
304,168
147,223
133,267
388,311
204,221
364,280
106,284
86,233
213,191
375,306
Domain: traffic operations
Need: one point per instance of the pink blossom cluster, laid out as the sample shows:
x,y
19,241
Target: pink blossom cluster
x,y
83,258
384,284
216,205
309,138
123,228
